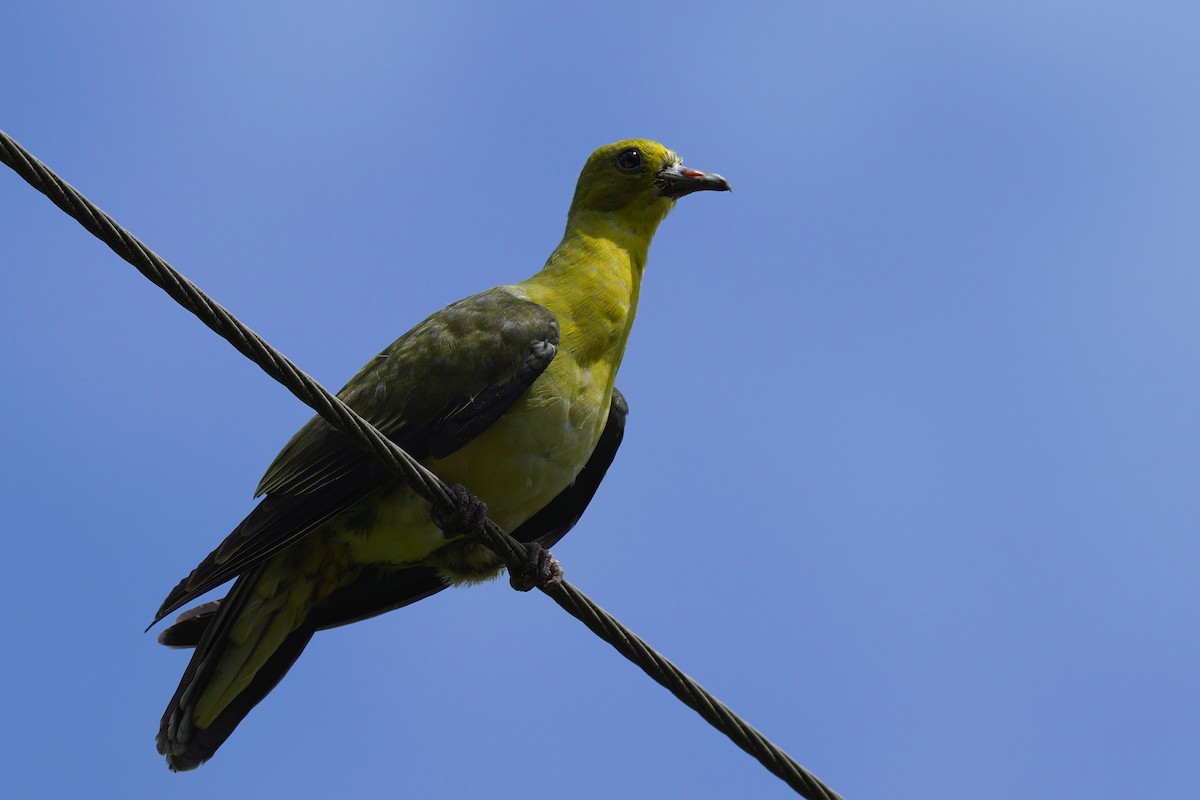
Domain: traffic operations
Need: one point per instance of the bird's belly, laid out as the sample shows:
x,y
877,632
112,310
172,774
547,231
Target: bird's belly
x,y
533,452
516,466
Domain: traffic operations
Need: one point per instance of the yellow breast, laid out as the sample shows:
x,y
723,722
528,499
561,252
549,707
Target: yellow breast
x,y
534,451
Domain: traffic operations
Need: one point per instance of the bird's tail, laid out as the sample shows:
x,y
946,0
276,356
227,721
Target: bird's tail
x,y
245,645
225,632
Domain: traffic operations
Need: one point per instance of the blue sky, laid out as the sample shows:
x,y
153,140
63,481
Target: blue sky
x,y
910,478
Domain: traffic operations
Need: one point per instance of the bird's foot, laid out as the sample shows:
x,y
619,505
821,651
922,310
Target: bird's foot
x,y
468,514
541,570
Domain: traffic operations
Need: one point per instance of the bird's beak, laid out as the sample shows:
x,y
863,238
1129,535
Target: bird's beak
x,y
678,180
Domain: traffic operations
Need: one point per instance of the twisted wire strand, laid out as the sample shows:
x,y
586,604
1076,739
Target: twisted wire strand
x,y
428,485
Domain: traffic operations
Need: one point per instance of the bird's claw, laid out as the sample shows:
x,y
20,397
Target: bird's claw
x,y
541,570
468,514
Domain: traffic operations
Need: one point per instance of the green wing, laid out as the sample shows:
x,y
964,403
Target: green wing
x,y
377,591
431,391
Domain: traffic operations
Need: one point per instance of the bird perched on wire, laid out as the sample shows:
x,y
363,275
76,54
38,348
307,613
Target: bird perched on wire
x,y
508,393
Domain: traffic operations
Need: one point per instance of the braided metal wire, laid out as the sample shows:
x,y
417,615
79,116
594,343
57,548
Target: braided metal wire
x,y
428,485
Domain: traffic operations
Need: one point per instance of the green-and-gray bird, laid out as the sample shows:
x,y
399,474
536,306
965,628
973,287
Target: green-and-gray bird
x,y
508,393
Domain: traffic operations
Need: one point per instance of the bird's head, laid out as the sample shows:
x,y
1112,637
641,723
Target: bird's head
x,y
636,182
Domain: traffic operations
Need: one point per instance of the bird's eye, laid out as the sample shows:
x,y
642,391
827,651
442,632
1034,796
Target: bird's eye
x,y
629,160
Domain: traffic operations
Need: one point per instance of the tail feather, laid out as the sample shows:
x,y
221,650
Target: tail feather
x,y
224,680
215,627
192,746
189,626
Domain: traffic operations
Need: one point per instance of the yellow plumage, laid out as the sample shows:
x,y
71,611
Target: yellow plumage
x,y
508,393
